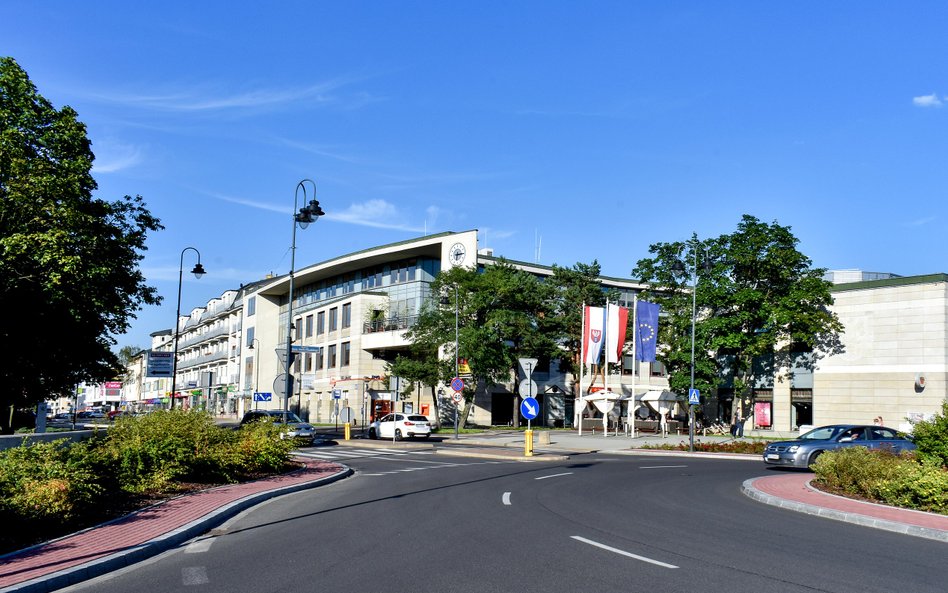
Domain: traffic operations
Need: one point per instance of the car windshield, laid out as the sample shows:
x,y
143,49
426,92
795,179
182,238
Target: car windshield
x,y
290,416
823,433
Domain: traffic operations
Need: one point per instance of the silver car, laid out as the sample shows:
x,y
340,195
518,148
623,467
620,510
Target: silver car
x,y
803,451
294,427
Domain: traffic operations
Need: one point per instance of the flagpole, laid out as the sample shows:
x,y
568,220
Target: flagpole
x,y
605,368
578,412
635,329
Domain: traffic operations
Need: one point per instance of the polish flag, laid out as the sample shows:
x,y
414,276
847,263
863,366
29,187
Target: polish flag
x,y
615,334
593,336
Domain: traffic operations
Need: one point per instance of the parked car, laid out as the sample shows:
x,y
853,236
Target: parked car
x,y
90,414
61,418
399,426
294,428
804,451
115,414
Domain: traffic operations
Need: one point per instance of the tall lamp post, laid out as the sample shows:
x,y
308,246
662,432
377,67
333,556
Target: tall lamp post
x,y
198,271
256,368
680,268
445,301
306,215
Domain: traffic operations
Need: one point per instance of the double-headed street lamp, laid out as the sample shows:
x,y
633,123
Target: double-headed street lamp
x,y
198,271
680,268
309,213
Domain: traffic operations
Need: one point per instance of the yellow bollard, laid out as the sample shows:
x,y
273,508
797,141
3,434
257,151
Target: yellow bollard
x,y
348,431
528,443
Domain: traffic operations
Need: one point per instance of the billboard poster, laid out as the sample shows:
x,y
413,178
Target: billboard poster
x,y
762,414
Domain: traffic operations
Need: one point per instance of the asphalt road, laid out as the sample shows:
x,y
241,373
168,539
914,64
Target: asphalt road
x,y
425,522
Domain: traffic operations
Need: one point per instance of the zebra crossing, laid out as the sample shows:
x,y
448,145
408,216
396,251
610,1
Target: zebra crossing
x,y
409,457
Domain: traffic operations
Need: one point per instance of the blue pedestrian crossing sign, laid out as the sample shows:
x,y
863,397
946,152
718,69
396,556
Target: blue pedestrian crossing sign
x,y
529,408
694,396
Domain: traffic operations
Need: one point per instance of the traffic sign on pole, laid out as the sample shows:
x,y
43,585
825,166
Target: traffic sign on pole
x,y
694,397
529,408
457,397
457,384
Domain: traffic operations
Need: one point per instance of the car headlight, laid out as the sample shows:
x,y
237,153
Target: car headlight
x,y
793,448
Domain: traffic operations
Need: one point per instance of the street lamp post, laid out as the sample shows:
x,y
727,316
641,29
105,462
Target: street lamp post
x,y
256,368
444,300
680,267
309,213
198,271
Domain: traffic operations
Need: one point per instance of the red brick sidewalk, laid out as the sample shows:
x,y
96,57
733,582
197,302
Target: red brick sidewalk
x,y
142,534
793,490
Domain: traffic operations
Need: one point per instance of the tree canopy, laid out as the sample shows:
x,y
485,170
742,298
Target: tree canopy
x,y
69,276
756,297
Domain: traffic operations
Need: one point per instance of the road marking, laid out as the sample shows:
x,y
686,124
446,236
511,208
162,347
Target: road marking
x,y
622,552
194,575
506,498
199,546
554,476
660,466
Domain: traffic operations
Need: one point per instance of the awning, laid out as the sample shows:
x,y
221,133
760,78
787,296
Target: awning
x,y
662,402
604,400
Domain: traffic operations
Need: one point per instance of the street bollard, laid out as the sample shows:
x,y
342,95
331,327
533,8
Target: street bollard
x,y
528,443
348,430
544,437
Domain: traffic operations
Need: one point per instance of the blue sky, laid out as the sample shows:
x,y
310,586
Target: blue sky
x,y
599,127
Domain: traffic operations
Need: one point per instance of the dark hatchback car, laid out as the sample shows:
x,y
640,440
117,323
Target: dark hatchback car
x,y
804,451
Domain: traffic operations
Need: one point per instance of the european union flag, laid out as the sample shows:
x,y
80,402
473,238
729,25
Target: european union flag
x,y
646,330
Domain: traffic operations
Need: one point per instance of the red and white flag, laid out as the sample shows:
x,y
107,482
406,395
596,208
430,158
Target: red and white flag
x,y
615,332
593,333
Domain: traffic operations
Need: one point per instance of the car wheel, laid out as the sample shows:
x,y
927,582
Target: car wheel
x,y
398,434
372,434
813,457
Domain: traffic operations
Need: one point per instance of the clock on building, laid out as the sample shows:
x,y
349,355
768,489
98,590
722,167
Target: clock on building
x,y
456,254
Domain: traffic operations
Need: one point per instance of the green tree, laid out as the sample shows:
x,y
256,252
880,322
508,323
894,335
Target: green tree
x,y
757,298
68,261
502,314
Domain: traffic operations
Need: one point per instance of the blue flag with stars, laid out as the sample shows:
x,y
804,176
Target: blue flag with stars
x,y
646,331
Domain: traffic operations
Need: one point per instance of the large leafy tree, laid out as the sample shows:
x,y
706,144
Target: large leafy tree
x,y
501,313
756,297
69,276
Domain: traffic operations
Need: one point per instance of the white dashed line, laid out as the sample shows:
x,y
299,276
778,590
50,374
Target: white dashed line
x,y
660,466
623,552
554,476
506,498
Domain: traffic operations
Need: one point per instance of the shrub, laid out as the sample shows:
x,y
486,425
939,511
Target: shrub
x,y
899,480
931,437
45,481
259,449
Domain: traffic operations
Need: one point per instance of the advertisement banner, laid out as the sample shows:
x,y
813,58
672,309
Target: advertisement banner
x,y
762,414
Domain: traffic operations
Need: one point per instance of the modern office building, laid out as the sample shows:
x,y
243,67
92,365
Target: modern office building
x,y
350,314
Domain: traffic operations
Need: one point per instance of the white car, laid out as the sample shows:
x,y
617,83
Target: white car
x,y
400,426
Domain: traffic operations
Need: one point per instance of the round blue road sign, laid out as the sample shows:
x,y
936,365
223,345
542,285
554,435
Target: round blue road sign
x,y
457,384
529,408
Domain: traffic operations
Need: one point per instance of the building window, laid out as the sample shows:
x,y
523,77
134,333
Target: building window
x,y
331,363
308,366
251,306
346,350
318,360
334,319
657,369
346,315
309,326
250,336
320,323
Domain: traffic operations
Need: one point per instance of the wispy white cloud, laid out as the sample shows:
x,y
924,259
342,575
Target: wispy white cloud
x,y
198,100
112,156
317,150
921,221
931,100
372,213
377,214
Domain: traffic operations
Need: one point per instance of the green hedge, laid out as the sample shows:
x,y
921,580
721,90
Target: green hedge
x,y
50,487
903,480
